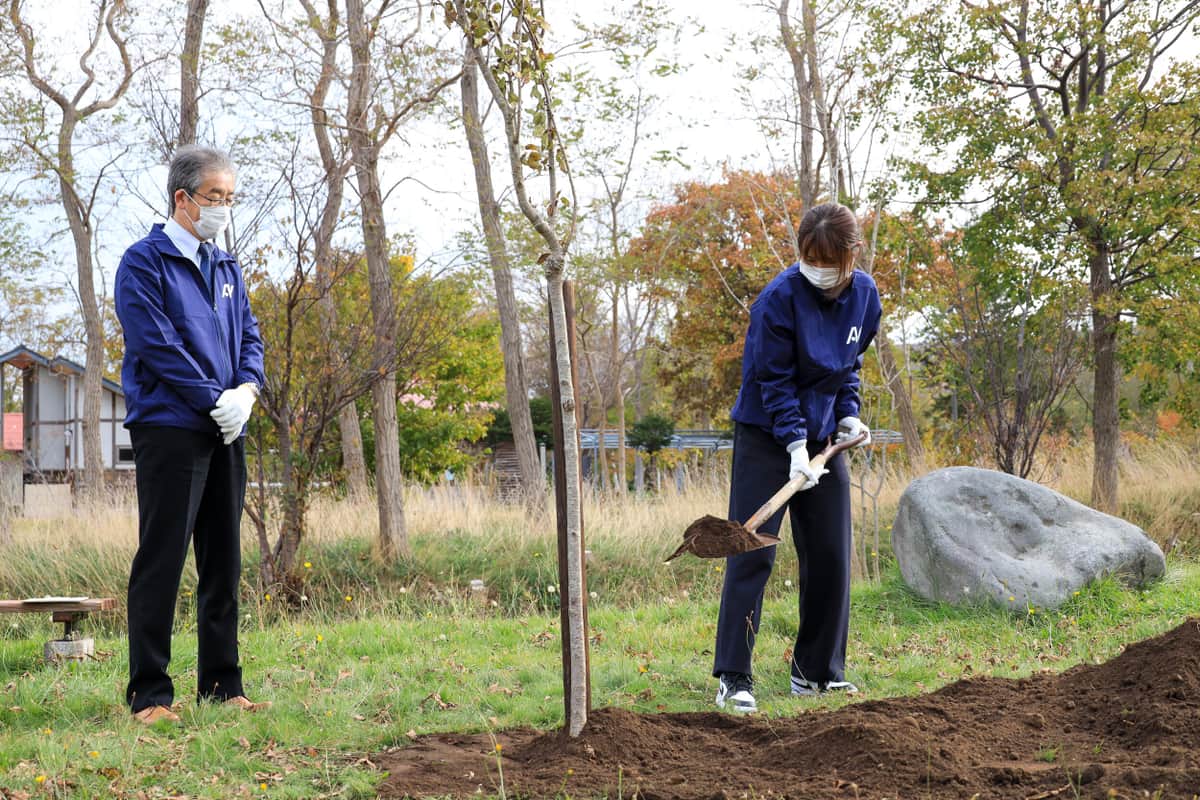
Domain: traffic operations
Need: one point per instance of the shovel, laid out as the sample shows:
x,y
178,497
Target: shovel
x,y
713,537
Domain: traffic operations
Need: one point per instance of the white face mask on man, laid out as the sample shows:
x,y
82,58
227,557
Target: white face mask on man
x,y
213,220
821,277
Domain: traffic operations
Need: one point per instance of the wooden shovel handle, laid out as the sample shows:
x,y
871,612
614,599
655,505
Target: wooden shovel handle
x,y
791,487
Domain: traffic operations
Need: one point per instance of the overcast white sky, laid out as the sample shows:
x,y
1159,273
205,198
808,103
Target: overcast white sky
x,y
701,115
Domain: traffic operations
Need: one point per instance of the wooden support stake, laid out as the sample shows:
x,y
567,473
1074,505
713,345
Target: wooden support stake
x,y
560,505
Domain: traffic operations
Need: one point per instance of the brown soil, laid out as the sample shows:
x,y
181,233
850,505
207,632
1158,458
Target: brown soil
x,y
713,537
1128,728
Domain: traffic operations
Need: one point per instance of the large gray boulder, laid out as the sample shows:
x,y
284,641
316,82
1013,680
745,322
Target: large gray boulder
x,y
967,535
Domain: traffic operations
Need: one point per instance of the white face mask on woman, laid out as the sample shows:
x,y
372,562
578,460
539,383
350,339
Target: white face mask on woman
x,y
821,277
213,220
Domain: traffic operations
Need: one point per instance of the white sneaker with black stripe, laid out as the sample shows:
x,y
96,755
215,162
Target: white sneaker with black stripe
x,y
736,692
800,686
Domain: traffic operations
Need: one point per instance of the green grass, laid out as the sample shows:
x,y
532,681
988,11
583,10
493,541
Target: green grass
x,y
351,682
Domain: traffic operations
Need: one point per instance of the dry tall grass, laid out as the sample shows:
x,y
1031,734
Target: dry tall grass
x,y
1160,490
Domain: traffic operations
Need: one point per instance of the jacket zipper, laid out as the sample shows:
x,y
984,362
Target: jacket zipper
x,y
212,296
220,327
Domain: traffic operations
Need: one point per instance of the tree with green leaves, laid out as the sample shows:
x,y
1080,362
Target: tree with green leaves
x,y
651,434
1006,327
1076,116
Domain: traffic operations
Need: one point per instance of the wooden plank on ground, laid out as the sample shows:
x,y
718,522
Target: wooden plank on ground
x,y
86,606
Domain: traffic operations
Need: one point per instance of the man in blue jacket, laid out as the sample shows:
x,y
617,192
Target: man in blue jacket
x,y
192,370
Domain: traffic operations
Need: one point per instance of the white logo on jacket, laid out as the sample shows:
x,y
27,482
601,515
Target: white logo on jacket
x,y
227,291
854,333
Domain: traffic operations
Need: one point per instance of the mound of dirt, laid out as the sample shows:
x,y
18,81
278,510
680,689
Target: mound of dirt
x,y
1126,728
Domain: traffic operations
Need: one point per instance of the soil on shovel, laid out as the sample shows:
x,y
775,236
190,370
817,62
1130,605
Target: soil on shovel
x,y
1127,728
713,537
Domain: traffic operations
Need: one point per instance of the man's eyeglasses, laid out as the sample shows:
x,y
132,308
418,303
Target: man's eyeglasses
x,y
228,200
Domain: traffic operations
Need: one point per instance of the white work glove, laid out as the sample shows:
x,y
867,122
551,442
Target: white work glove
x,y
233,410
800,466
849,428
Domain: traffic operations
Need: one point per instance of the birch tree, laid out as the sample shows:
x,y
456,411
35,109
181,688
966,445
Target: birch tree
x,y
516,387
189,72
831,96
375,111
506,41
314,79
54,152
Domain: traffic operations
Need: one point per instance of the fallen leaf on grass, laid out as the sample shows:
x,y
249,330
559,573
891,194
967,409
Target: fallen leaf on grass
x,y
411,734
436,698
244,743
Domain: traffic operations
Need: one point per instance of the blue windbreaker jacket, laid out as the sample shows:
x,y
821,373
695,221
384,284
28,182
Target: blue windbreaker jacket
x,y
802,356
183,345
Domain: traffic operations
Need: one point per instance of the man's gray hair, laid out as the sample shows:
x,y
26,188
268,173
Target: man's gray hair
x,y
189,165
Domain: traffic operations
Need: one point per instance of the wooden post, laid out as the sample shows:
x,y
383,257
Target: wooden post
x,y
560,507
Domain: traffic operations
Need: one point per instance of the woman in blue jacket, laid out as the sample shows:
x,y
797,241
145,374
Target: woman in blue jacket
x,y
808,331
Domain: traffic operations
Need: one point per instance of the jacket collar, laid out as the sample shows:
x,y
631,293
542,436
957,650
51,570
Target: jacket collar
x,y
184,240
163,244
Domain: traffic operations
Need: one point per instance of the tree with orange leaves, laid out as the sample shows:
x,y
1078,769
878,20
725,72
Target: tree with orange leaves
x,y
715,248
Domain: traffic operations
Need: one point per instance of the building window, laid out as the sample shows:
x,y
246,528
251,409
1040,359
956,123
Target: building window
x,y
124,455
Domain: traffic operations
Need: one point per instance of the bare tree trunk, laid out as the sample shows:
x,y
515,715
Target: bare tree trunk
x,y
81,235
809,182
516,387
577,714
393,534
354,462
622,448
824,113
1106,430
78,209
618,399
336,166
913,445
601,465
189,78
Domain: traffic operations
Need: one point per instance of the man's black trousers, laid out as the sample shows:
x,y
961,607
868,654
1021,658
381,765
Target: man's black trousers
x,y
190,485
821,531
